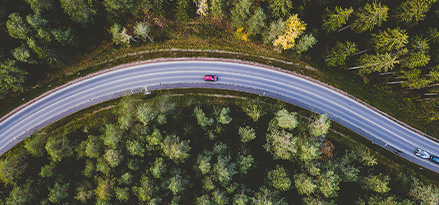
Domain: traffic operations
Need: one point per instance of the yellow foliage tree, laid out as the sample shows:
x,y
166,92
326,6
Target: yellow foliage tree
x,y
294,27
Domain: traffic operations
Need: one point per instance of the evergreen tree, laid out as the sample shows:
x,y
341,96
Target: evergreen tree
x,y
328,184
377,183
35,144
59,147
369,16
271,34
280,8
281,144
241,12
40,6
175,149
22,194
333,20
247,134
304,184
17,28
377,63
256,23
320,126
305,42
58,192
80,11
390,40
286,120
411,12
341,52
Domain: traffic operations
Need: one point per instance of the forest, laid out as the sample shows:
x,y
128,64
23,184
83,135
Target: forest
x,y
200,150
389,46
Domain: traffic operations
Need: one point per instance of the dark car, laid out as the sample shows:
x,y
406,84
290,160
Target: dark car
x,y
210,78
434,159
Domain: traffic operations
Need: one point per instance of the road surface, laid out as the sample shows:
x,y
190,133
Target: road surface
x,y
234,75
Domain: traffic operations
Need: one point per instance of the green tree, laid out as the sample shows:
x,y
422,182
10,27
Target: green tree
x,y
94,147
281,144
58,192
17,28
36,20
59,147
182,6
411,12
145,113
413,79
294,27
64,37
224,117
120,37
415,60
113,157
40,6
208,184
203,121
122,194
247,134
286,120
245,162
22,54
220,197
126,178
112,136
328,184
320,125
119,7
377,183
304,184
377,63
241,12
254,109
35,144
84,192
22,194
279,178
308,151
280,8
369,16
89,168
177,184
11,76
80,11
158,168
135,148
341,52
146,190
305,42
256,23
102,166
240,198
333,20
203,164
217,9
141,31
12,166
426,194
224,169
175,149
48,169
366,157
390,40
273,32
104,189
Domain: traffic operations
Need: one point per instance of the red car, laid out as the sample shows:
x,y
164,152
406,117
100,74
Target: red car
x,y
210,78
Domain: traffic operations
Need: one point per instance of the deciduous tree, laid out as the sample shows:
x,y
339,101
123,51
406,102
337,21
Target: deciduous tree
x,y
279,178
203,121
286,120
304,184
256,23
427,194
120,37
224,117
294,27
377,183
281,144
12,166
22,194
58,192
273,32
328,184
59,147
320,125
158,168
17,28
175,149
35,144
22,54
104,189
141,30
305,42
177,184
40,6
113,157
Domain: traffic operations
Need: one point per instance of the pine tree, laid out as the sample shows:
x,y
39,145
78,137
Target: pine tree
x,y
369,16
377,63
333,20
390,40
340,53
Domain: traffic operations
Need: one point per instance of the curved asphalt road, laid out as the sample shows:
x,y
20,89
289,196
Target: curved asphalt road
x,y
233,75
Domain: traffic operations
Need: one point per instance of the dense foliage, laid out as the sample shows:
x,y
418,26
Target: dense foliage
x,y
137,157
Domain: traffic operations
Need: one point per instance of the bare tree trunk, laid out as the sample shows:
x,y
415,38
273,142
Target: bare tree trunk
x,y
348,26
430,94
397,82
149,38
363,51
353,68
386,73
